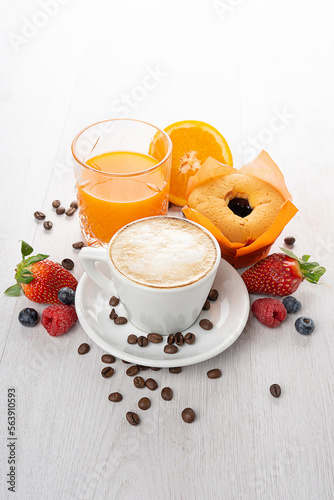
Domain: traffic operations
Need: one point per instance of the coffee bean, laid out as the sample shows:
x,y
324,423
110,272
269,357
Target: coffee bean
x,y
142,341
113,314
108,358
189,338
114,301
205,324
132,339
56,203
60,210
120,320
74,204
155,338
214,373
67,264
78,245
107,372
126,362
151,384
144,403
170,339
179,339
47,225
132,370
39,215
115,397
170,349
213,295
289,240
188,415
142,368
167,393
155,369
132,418
70,211
176,369
206,306
275,390
139,382
83,348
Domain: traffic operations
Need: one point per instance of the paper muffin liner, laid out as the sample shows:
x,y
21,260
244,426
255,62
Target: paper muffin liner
x,y
264,168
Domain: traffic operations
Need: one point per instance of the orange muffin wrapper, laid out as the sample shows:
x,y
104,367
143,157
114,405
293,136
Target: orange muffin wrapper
x,y
264,168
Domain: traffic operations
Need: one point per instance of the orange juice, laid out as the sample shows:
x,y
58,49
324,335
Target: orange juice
x,y
109,202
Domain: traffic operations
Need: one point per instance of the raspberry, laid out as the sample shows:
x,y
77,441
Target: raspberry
x,y
58,319
269,312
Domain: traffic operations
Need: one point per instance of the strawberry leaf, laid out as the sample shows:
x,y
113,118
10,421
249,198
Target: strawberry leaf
x,y
13,291
34,259
289,253
26,249
305,258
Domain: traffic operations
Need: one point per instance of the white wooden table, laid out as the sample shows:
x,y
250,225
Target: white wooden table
x,y
262,73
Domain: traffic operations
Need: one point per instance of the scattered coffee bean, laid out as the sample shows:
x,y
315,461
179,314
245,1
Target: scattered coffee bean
x,y
188,415
214,373
170,339
132,370
179,338
289,240
113,314
142,368
39,215
107,372
60,210
125,362
47,225
56,203
132,339
78,245
144,403
70,211
167,393
170,349
205,324
120,320
114,301
67,264
155,369
74,204
155,338
142,341
151,384
176,369
189,338
139,382
115,397
108,358
213,295
206,306
275,390
83,348
132,418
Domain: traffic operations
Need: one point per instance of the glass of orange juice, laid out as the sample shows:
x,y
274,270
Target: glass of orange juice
x,y
122,170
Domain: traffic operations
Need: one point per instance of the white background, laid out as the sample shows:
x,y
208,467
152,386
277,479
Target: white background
x,y
262,73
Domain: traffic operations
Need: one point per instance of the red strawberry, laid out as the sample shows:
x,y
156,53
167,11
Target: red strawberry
x,y
281,274
58,319
39,278
269,312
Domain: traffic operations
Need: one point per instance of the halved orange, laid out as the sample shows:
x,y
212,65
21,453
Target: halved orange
x,y
193,142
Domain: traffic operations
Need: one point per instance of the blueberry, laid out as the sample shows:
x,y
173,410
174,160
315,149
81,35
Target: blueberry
x,y
28,317
66,296
305,326
291,304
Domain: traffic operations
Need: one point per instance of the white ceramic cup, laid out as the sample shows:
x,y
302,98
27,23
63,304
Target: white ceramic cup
x,y
151,309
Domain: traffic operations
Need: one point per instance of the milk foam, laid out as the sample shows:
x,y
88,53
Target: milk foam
x,y
163,252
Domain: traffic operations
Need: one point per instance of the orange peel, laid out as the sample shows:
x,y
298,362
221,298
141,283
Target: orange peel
x,y
264,168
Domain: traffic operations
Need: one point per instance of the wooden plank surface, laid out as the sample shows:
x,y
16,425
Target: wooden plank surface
x,y
263,75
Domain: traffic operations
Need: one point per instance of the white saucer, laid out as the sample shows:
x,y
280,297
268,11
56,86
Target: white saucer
x,y
228,314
